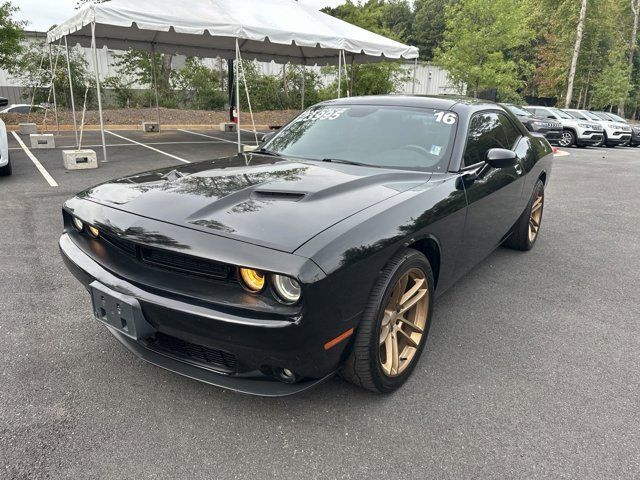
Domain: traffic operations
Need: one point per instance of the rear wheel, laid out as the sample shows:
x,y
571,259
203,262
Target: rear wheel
x,y
394,325
6,170
567,139
526,229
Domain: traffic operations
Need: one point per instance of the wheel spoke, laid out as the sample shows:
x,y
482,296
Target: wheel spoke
x,y
413,326
535,223
388,316
412,301
395,355
412,291
384,333
410,340
388,347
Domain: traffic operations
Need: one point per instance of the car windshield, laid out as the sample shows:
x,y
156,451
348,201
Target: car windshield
x,y
519,111
618,118
591,116
601,116
379,136
576,115
560,113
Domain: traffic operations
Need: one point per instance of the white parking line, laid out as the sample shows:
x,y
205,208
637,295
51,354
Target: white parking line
x,y
208,136
35,161
99,145
147,146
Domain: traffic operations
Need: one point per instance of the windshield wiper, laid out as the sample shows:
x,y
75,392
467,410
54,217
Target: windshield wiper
x,y
347,162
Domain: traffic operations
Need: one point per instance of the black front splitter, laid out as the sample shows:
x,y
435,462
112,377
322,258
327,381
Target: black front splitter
x,y
259,386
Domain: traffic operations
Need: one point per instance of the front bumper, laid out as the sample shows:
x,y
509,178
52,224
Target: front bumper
x,y
618,138
590,138
553,136
257,346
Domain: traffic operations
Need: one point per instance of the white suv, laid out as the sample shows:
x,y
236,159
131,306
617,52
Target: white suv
x,y
615,133
5,161
574,132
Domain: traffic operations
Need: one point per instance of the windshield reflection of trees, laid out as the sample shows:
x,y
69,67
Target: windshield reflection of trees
x,y
139,234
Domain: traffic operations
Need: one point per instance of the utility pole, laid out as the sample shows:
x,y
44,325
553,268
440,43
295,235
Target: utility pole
x,y
576,54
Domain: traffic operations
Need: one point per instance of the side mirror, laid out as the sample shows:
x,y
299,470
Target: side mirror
x,y
266,137
3,102
501,158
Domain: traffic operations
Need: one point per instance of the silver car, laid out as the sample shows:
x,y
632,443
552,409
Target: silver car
x,y
574,132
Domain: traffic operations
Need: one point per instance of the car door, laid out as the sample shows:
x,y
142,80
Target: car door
x,y
494,195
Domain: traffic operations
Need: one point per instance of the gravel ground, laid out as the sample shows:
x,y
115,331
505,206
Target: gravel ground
x,y
135,116
531,369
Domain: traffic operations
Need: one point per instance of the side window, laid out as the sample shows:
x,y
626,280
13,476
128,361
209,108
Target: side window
x,y
511,133
24,109
486,131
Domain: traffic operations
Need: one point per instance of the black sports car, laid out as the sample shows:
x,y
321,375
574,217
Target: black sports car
x,y
551,129
322,252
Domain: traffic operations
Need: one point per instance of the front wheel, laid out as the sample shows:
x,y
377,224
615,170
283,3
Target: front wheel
x,y
394,325
567,139
525,232
6,170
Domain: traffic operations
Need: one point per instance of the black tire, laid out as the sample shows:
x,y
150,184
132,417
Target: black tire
x,y
567,139
519,238
363,367
6,170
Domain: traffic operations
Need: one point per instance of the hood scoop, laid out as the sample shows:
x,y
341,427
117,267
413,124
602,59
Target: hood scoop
x,y
278,195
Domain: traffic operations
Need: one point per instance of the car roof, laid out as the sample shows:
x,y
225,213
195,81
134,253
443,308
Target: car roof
x,y
440,102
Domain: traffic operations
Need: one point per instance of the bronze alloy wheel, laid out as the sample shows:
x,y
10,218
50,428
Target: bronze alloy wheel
x,y
404,322
536,215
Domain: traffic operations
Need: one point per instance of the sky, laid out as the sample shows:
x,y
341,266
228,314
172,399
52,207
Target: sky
x,y
41,14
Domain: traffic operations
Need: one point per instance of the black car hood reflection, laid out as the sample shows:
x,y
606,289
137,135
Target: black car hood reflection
x,y
273,202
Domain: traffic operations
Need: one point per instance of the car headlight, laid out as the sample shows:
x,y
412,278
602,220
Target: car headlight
x,y
93,231
77,223
287,288
538,124
252,280
585,125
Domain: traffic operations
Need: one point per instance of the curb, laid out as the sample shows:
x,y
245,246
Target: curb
x,y
93,128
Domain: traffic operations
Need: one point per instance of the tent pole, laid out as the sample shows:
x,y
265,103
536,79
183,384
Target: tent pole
x,y
94,47
353,76
73,102
339,73
304,75
415,72
155,82
53,86
237,75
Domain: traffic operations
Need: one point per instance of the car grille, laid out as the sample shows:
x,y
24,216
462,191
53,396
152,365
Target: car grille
x,y
216,359
169,260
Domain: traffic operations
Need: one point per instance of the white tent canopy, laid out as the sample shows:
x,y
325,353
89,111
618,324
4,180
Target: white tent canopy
x,y
279,30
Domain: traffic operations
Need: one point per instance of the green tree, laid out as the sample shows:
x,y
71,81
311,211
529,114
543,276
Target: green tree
x,y
479,43
26,68
427,29
10,35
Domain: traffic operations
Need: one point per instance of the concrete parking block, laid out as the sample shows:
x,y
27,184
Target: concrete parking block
x,y
150,127
42,140
79,159
28,128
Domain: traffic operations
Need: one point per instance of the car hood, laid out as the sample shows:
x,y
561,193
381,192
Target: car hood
x,y
272,202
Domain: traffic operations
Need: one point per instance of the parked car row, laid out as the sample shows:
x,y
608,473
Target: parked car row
x,y
575,127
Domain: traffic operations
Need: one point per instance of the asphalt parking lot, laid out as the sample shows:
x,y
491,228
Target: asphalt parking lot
x,y
531,369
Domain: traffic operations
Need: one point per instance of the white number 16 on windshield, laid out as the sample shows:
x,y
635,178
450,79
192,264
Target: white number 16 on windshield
x,y
446,117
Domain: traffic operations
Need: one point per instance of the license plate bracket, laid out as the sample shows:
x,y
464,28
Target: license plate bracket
x,y
119,311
